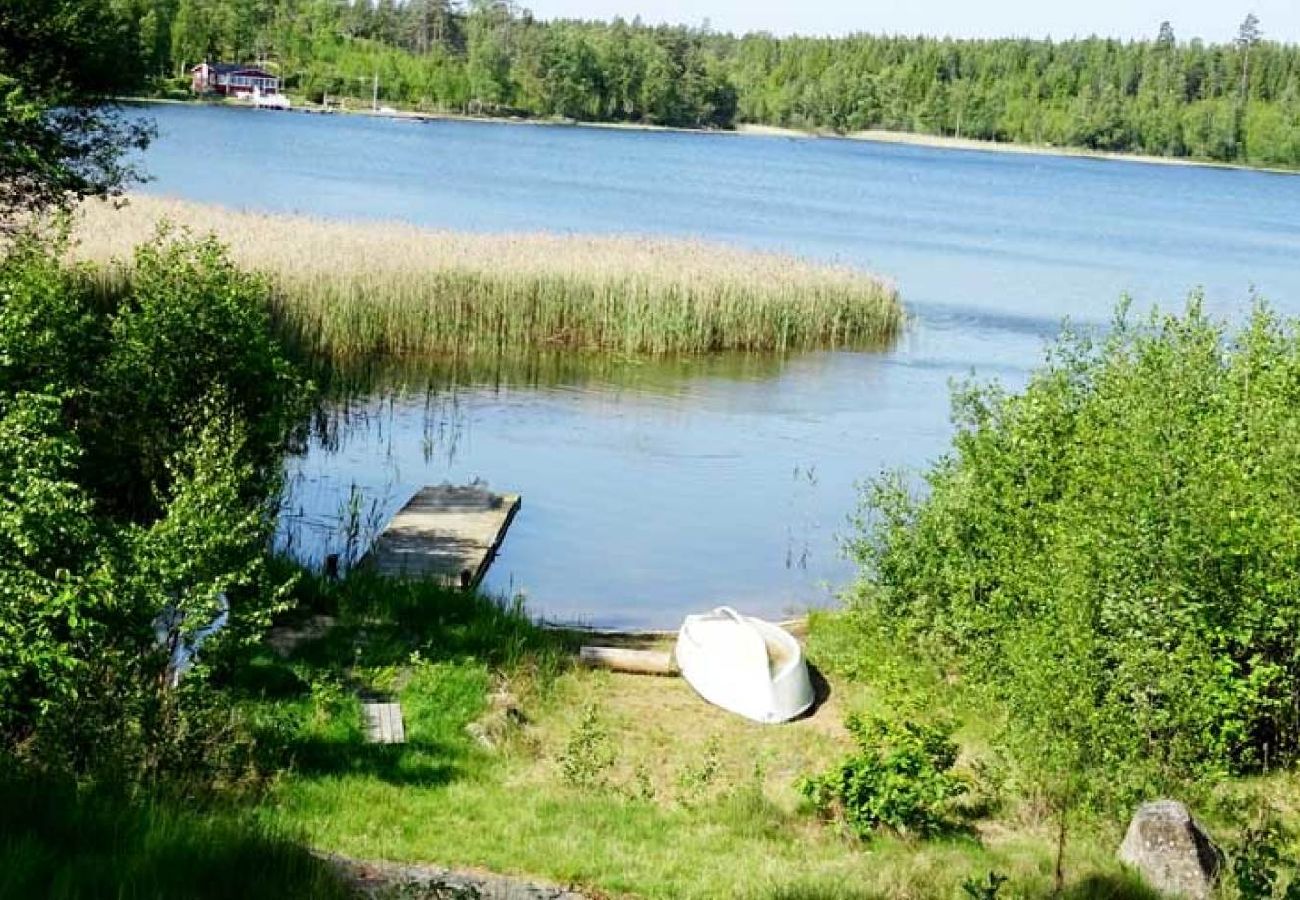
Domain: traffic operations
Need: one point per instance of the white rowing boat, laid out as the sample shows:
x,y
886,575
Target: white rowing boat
x,y
745,665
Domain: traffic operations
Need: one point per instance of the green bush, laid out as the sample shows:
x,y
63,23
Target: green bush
x,y
141,429
1261,868
900,778
1114,553
142,358
589,754
187,327
987,889
51,611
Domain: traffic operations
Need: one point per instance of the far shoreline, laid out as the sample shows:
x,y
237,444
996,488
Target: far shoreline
x,y
750,129
944,142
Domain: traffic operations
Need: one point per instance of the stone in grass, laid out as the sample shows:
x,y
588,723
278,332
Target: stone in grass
x,y
1172,851
503,717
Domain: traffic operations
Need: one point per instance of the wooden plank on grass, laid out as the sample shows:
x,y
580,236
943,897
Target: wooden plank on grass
x,y
383,722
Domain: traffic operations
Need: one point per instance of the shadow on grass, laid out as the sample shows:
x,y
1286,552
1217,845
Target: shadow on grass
x,y
381,634
825,890
57,841
382,621
1125,886
262,675
417,763
821,692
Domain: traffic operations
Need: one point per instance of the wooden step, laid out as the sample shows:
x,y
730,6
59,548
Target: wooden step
x,y
383,722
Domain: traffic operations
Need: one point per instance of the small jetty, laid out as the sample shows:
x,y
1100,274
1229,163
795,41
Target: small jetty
x,y
446,533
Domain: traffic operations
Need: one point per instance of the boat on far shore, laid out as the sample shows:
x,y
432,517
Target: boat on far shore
x,y
271,100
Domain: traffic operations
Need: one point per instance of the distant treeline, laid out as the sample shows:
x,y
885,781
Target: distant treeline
x,y
1237,102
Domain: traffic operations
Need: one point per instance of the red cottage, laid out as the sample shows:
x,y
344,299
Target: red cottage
x,y
229,79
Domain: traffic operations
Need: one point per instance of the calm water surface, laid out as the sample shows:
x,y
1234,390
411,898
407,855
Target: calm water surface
x,y
651,489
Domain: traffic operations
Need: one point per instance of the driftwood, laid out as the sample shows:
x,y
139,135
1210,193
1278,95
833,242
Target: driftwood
x,y
619,659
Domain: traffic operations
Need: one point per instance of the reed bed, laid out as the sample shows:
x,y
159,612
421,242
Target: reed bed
x,y
353,290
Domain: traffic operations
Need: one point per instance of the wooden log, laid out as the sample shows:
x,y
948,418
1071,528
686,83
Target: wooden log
x,y
638,662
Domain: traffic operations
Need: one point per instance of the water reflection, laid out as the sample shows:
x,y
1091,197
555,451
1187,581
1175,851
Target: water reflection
x,y
373,402
342,380
650,486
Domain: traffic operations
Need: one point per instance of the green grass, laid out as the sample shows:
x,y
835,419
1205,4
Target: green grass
x,y
739,844
59,842
433,648
678,799
350,290
655,821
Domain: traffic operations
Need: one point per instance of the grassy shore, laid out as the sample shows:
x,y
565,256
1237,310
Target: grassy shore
x,y
520,763
621,785
350,290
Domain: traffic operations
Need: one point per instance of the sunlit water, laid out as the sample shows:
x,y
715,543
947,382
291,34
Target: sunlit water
x,y
651,489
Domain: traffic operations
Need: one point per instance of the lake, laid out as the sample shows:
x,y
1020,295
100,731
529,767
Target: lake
x,y
656,488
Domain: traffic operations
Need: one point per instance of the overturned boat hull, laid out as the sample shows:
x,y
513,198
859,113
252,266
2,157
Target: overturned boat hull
x,y
746,665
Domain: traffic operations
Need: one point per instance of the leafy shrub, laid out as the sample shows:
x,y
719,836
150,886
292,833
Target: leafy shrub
x,y
138,360
696,779
140,433
899,778
989,888
1259,865
50,329
589,754
1113,552
643,787
188,326
51,608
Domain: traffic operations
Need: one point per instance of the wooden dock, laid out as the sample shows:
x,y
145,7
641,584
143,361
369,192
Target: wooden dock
x,y
446,533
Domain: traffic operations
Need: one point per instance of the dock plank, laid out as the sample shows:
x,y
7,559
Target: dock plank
x,y
445,532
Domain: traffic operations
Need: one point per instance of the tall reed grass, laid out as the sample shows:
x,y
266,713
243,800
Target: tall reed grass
x,y
349,290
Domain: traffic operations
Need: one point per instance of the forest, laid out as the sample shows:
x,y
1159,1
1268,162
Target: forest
x,y
1233,102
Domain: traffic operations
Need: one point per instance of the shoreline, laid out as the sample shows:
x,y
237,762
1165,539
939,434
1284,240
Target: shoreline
x,y
943,142
750,129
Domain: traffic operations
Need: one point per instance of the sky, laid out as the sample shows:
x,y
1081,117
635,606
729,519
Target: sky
x,y
1213,20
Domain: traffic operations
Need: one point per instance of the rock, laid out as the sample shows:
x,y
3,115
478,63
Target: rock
x,y
286,639
504,704
482,735
1172,851
382,880
503,718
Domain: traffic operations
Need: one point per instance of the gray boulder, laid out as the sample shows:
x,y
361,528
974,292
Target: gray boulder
x,y
1171,850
